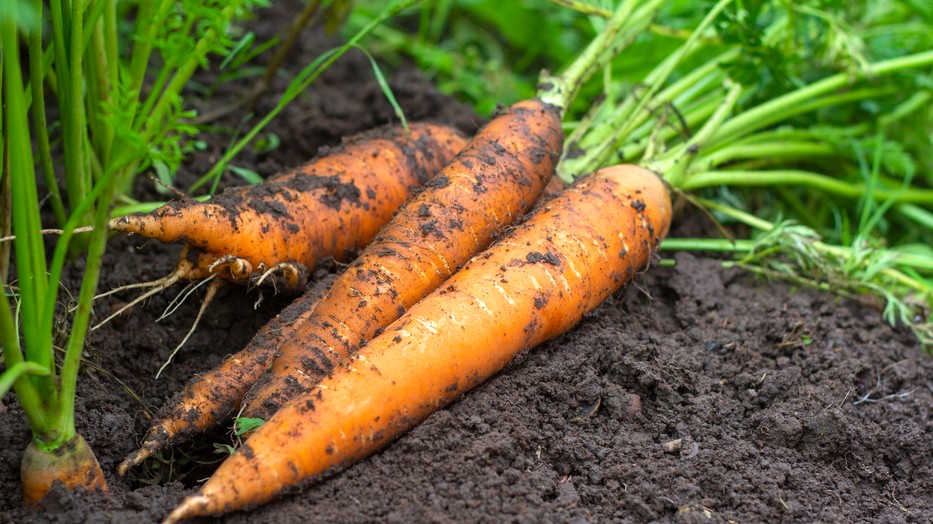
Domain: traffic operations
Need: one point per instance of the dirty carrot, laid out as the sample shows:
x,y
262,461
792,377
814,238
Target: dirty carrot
x,y
473,202
279,230
489,184
330,207
213,397
534,284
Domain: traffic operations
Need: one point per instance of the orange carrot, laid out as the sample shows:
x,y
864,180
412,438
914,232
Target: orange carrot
x,y
212,398
414,254
534,284
72,464
330,207
489,184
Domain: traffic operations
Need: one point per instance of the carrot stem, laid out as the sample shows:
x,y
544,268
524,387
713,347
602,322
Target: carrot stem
x,y
739,246
766,117
153,122
73,117
37,107
817,181
560,90
75,346
719,245
766,150
680,157
28,394
634,147
14,372
917,214
608,134
29,249
148,20
783,106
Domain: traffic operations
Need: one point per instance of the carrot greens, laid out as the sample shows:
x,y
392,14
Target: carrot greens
x,y
783,114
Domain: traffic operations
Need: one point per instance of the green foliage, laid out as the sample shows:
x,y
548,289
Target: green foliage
x,y
185,34
20,12
93,62
474,49
224,449
241,426
818,110
244,425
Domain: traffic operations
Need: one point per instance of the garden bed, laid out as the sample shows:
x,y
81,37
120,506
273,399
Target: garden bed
x,y
697,394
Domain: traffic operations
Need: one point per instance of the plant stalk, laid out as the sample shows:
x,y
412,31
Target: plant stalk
x,y
781,107
792,177
39,121
560,90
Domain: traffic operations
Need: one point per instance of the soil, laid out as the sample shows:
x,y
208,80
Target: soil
x,y
697,394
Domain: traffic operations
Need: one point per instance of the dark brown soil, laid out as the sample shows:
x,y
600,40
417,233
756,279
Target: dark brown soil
x,y
696,395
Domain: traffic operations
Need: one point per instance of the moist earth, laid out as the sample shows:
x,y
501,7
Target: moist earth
x,y
697,394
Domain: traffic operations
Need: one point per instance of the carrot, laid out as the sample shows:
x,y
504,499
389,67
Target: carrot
x,y
337,202
489,184
213,397
534,284
413,255
72,464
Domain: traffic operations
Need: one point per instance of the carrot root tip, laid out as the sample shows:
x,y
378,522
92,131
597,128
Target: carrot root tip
x,y
134,459
156,438
238,268
181,271
293,276
129,462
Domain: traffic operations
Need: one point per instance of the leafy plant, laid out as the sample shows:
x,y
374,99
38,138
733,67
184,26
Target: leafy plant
x,y
793,98
110,128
